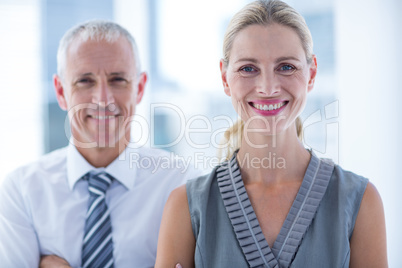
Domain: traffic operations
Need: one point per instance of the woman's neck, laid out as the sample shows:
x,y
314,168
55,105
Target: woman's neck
x,y
272,159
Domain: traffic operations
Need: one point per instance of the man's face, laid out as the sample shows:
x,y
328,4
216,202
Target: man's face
x,y
100,88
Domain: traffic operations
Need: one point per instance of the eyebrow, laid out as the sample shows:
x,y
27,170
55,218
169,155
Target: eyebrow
x,y
253,60
111,74
287,58
118,73
247,59
86,74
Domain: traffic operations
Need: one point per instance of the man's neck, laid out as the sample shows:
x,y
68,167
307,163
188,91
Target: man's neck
x,y
101,157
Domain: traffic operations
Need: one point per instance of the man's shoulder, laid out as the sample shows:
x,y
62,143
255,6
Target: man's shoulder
x,y
158,158
163,163
45,165
151,152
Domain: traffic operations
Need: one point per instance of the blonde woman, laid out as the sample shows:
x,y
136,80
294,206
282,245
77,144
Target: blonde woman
x,y
302,211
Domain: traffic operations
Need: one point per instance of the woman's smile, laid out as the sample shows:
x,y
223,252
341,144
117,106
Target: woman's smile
x,y
267,108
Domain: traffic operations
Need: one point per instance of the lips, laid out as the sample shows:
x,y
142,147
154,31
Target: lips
x,y
268,107
104,117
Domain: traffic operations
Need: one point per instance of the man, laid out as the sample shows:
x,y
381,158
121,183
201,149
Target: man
x,y
92,203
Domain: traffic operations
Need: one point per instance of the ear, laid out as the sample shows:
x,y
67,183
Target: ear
x,y
223,67
313,73
60,92
141,86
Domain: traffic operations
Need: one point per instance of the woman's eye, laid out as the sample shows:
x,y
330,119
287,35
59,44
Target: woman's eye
x,y
287,67
247,69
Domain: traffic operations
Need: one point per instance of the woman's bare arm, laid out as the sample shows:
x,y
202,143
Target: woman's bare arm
x,y
368,245
176,242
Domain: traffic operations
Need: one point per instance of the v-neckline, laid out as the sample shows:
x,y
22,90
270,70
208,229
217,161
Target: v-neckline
x,y
245,223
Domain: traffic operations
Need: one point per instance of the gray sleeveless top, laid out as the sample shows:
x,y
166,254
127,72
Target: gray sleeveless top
x,y
316,231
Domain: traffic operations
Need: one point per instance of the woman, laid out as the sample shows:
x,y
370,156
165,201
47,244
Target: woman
x,y
297,211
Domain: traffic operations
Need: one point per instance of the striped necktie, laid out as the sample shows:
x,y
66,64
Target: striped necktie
x,y
97,249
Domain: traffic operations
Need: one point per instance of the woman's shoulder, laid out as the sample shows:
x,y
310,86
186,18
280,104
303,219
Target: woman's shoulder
x,y
201,192
202,183
345,192
348,180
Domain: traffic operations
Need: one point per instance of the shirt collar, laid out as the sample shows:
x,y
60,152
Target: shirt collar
x,y
78,166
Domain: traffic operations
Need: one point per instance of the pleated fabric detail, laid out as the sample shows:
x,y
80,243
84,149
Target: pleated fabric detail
x,y
245,223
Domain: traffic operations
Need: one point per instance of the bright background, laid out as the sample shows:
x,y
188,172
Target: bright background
x,y
352,115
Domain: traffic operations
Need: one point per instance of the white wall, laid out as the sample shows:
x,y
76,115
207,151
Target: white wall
x,y
369,41
20,79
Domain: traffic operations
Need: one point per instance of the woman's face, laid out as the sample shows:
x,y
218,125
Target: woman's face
x,y
268,77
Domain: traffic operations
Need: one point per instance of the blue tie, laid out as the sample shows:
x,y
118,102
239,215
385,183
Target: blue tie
x,y
97,249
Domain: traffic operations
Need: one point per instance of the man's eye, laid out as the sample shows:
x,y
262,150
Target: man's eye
x,y
118,79
84,80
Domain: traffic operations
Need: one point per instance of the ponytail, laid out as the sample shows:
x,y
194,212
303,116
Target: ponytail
x,y
231,140
233,136
299,128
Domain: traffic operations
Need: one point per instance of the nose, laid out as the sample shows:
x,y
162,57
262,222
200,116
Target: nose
x,y
269,84
102,95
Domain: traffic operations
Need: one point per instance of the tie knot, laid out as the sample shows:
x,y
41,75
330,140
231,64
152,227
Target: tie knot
x,y
99,183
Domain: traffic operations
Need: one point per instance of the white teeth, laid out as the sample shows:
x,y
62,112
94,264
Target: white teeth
x,y
103,117
270,107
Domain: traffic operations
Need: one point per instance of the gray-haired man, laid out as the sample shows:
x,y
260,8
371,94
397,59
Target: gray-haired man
x,y
87,203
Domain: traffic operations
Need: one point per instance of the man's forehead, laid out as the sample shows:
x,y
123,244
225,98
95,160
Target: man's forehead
x,y
94,57
94,49
79,43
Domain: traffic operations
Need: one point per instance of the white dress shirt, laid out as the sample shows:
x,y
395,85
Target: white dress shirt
x,y
43,206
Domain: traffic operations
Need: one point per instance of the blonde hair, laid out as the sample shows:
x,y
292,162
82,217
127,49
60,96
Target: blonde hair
x,y
262,12
232,137
265,12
